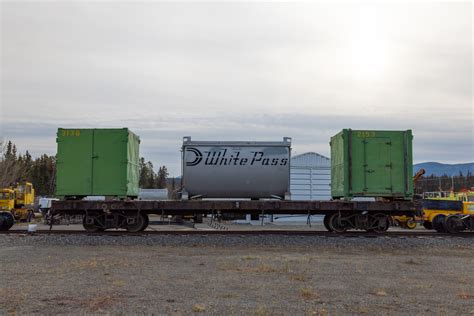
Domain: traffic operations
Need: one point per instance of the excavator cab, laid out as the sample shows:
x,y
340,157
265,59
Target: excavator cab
x,y
24,195
7,199
7,206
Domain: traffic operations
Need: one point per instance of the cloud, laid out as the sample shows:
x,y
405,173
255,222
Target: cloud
x,y
238,71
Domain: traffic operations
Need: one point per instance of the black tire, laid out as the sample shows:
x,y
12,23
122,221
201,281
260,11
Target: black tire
x,y
454,224
427,225
7,221
326,223
439,222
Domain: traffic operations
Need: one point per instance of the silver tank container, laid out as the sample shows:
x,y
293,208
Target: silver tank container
x,y
255,170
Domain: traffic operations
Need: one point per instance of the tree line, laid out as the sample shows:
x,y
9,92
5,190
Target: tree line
x,y
149,179
18,168
434,183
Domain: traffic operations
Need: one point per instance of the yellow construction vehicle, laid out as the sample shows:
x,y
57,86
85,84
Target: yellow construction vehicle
x,y
439,206
456,223
16,204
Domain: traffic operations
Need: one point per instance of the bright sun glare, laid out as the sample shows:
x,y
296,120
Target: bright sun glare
x,y
368,49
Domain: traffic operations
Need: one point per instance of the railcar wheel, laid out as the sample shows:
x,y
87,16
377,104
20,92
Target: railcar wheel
x,y
454,224
326,223
145,224
427,225
139,224
91,228
335,224
380,224
438,223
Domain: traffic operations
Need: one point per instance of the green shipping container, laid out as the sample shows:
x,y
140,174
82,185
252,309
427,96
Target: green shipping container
x,y
97,162
367,163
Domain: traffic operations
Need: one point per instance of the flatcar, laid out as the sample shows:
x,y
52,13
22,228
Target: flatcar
x,y
235,178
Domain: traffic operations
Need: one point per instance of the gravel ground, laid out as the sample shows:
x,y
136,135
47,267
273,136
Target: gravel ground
x,y
262,275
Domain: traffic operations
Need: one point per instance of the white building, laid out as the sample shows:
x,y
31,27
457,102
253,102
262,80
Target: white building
x,y
310,177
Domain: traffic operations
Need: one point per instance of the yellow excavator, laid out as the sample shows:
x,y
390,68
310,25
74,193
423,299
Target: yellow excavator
x,y
16,204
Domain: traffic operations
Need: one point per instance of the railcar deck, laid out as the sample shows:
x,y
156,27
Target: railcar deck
x,y
191,207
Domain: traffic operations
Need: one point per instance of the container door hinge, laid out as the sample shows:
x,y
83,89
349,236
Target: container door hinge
x,y
388,143
389,165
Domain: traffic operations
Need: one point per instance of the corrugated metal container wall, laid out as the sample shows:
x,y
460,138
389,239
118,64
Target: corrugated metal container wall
x,y
372,163
214,169
97,162
310,177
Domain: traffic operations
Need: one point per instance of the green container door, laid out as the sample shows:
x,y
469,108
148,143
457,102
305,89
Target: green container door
x,y
97,162
374,158
74,163
372,164
109,162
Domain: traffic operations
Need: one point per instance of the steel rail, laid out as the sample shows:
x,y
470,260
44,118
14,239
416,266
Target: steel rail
x,y
398,234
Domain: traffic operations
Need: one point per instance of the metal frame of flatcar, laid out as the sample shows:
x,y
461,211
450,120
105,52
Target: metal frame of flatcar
x,y
131,208
189,207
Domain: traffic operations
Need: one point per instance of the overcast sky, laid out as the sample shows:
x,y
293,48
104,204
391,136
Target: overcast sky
x,y
241,71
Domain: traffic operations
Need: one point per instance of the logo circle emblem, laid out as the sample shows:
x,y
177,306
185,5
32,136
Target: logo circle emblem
x,y
197,158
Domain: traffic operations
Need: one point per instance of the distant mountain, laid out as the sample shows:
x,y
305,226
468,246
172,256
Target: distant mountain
x,y
440,169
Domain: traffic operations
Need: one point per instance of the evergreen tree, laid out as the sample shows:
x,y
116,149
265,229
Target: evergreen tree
x,y
161,178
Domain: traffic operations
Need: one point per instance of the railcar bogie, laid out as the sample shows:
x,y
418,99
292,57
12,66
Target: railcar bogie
x,y
341,222
100,221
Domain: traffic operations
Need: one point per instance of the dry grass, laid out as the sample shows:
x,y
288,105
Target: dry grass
x,y
101,303
118,283
412,262
265,268
298,277
249,268
95,263
199,308
462,280
318,312
380,292
229,296
361,310
14,298
249,258
465,295
262,311
307,293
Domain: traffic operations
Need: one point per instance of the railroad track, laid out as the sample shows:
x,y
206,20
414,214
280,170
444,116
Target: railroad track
x,y
398,234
